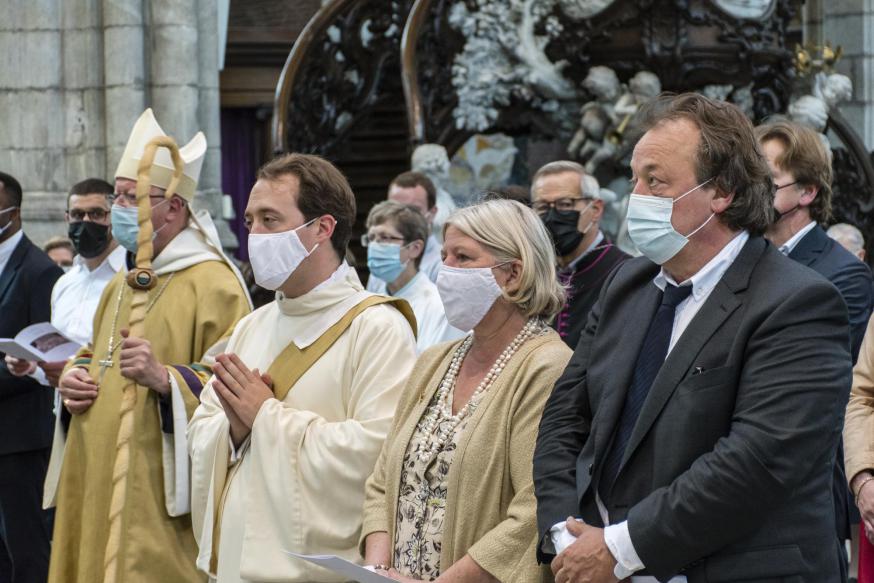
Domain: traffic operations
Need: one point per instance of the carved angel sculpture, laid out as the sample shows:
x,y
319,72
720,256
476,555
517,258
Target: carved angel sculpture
x,y
597,118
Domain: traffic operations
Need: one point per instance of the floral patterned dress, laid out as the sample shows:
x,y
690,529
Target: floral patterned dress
x,y
422,502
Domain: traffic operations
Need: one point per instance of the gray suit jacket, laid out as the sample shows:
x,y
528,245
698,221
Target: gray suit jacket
x,y
727,475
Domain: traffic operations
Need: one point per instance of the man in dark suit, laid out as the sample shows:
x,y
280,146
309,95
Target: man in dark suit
x,y
570,203
27,276
694,431
802,174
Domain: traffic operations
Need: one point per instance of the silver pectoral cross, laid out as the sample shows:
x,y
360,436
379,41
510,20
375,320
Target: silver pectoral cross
x,y
104,364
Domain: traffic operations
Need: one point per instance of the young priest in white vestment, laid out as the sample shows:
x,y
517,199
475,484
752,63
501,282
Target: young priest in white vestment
x,y
291,424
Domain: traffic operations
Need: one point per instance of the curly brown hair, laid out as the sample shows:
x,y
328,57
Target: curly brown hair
x,y
728,153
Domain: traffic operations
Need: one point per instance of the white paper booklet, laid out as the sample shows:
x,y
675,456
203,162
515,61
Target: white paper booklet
x,y
344,567
40,342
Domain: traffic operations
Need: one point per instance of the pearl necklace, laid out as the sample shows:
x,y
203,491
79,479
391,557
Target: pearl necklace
x,y
437,433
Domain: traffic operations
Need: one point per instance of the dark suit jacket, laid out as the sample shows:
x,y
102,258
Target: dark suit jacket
x,y
853,279
728,472
26,419
584,286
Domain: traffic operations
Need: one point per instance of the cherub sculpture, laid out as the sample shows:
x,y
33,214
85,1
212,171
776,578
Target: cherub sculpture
x,y
591,143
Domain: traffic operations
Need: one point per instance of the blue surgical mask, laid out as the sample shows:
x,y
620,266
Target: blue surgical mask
x,y
126,226
650,227
384,261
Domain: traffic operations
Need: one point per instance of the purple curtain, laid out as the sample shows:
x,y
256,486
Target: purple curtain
x,y
242,139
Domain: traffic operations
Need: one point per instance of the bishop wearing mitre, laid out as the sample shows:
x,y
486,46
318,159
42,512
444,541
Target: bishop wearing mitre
x,y
190,313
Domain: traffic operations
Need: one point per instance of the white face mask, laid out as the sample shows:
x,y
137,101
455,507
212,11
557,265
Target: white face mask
x,y
650,227
275,256
467,294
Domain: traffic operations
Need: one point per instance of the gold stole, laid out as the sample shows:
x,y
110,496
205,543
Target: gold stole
x,y
287,368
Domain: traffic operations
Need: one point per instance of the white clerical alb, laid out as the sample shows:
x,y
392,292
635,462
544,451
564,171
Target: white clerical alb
x,y
298,483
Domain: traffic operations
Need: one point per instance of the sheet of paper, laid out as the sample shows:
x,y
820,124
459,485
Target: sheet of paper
x,y
344,567
40,342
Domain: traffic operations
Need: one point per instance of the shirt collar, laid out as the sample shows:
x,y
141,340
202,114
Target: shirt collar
x,y
573,264
709,275
787,247
410,285
114,261
339,274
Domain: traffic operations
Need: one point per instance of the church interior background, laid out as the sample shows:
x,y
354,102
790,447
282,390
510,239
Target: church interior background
x,y
475,93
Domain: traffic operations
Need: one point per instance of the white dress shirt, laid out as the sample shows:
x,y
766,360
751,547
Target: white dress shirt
x,y
616,536
7,247
787,247
77,293
430,266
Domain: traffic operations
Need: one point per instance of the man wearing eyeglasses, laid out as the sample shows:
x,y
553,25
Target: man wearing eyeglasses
x,y
77,293
570,204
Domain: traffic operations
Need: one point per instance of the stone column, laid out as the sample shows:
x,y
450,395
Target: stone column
x,y
850,24
210,116
125,89
32,114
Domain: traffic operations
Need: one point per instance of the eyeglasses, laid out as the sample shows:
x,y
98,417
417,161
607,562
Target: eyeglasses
x,y
779,186
382,239
562,205
95,214
129,199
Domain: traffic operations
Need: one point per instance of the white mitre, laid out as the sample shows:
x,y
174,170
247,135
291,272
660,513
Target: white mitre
x,y
192,154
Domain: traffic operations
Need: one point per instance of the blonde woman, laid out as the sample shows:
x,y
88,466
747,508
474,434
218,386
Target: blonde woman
x,y
451,497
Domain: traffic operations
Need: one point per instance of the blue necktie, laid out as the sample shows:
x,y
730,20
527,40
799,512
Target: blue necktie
x,y
649,362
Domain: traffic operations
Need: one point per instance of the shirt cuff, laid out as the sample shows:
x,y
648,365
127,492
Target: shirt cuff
x,y
560,538
618,540
237,452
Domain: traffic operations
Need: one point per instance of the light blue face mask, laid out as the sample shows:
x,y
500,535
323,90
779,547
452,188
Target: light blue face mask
x,y
650,227
384,261
126,226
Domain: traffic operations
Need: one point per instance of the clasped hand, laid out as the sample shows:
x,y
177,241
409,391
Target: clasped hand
x,y
241,392
587,560
138,363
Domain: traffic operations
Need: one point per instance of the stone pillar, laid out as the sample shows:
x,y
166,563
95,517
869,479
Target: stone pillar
x,y
124,61
850,24
210,115
76,74
32,146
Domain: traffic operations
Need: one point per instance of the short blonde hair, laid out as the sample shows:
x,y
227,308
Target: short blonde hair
x,y
512,231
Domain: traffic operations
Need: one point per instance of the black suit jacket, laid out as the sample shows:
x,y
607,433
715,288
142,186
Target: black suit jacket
x,y
584,286
728,472
26,283
853,278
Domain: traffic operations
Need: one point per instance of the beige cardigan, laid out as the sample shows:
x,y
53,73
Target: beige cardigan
x,y
859,424
490,504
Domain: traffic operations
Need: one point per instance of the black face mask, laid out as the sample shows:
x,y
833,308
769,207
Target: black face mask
x,y
90,239
778,215
563,226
